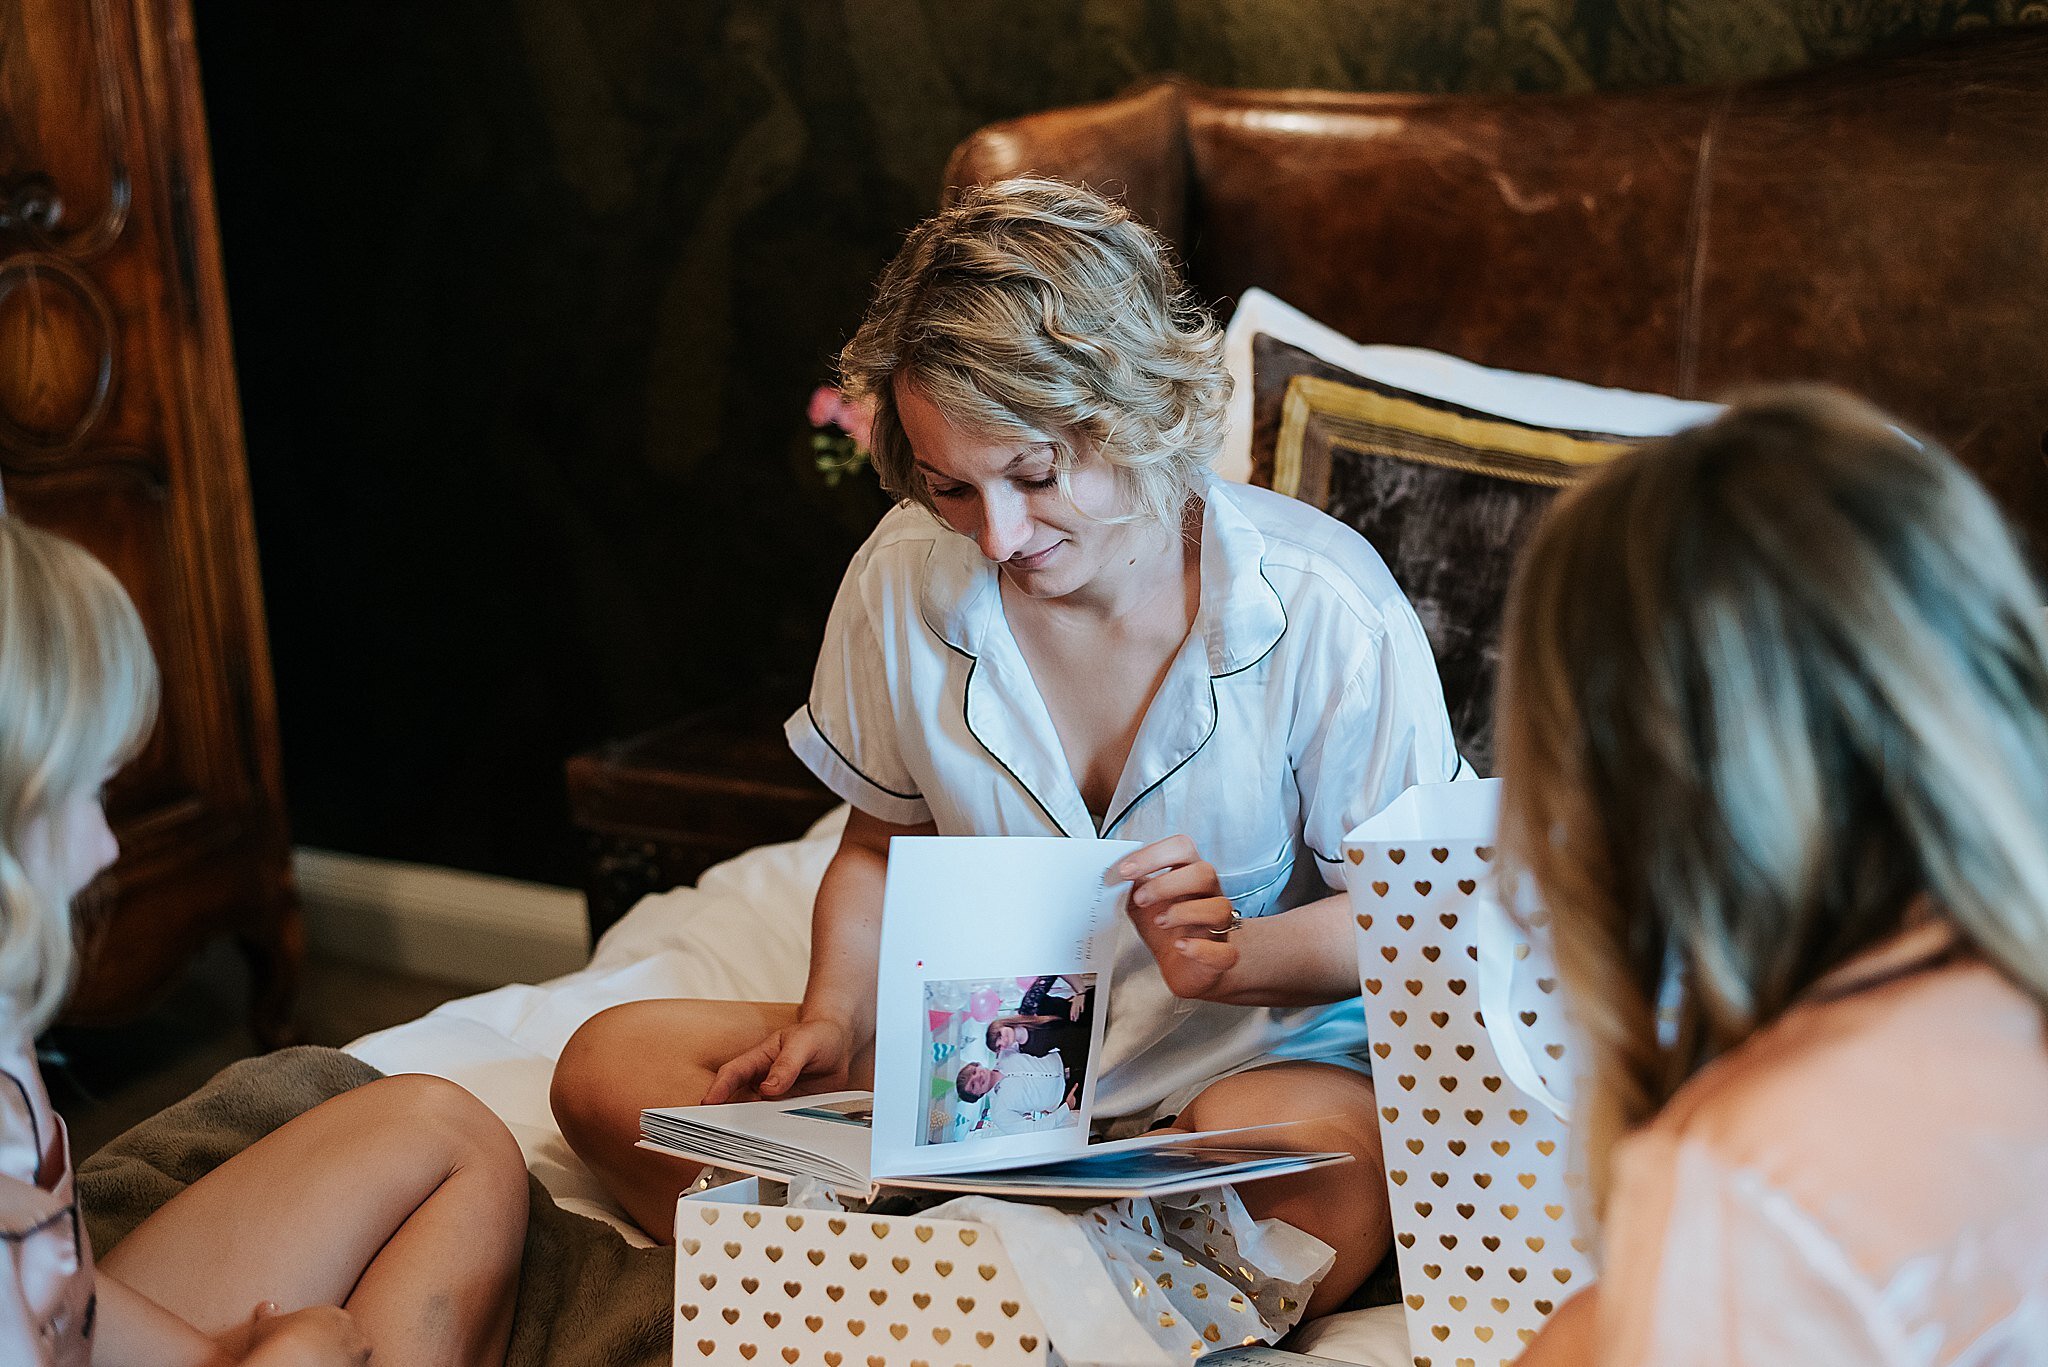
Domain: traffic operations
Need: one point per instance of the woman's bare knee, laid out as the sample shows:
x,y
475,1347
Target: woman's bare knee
x,y
647,1053
593,1098
446,1119
425,1097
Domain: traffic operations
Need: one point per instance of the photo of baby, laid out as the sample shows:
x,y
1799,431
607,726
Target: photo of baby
x,y
1006,1055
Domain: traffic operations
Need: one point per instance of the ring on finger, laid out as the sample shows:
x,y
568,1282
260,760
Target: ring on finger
x,y
1222,932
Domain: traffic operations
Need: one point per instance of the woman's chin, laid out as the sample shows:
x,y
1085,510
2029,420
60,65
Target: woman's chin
x,y
1050,582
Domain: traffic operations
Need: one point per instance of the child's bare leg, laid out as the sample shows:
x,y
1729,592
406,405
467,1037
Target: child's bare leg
x,y
403,1200
1344,1206
656,1053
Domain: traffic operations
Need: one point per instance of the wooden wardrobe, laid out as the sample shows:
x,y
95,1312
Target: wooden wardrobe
x,y
120,428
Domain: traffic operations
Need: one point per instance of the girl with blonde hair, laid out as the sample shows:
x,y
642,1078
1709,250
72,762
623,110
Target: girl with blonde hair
x,y
389,1220
1774,707
1069,627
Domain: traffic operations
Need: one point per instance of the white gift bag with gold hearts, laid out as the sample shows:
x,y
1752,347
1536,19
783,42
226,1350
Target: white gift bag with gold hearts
x,y
1472,1065
809,1288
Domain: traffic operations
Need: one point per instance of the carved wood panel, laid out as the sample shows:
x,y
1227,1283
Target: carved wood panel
x,y
119,427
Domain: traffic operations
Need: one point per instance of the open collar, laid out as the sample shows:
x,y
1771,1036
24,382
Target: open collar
x,y
1239,621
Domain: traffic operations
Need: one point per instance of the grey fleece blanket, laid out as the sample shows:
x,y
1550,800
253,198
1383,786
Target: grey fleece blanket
x,y
586,1297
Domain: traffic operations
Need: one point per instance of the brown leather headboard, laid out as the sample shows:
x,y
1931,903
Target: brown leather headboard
x,y
1881,224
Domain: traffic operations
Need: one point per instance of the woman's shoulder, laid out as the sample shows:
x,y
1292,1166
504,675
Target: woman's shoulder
x,y
900,548
905,525
1309,556
1957,1043
1881,1144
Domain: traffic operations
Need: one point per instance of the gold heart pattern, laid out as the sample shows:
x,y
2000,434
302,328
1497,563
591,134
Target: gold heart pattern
x,y
1463,1126
1183,1278
746,1297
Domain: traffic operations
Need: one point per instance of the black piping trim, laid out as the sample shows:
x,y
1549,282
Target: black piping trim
x,y
1213,709
69,1209
15,1236
1320,857
28,1106
907,797
974,663
1285,622
1154,785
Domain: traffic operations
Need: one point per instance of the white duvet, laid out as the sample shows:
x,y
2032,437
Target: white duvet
x,y
744,934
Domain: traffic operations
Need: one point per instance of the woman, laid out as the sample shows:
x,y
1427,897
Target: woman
x,y
388,1221
1031,1031
1068,628
1775,715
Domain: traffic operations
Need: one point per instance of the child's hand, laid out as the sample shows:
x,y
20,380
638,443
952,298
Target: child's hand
x,y
818,1050
318,1336
1181,914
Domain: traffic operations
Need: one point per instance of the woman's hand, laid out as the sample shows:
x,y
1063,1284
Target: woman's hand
x,y
1181,914
819,1051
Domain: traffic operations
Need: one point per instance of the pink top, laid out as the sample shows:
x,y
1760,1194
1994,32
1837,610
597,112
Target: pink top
x,y
1864,1182
46,1284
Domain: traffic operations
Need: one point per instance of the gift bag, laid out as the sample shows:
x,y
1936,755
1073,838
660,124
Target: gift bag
x,y
1472,1065
769,1284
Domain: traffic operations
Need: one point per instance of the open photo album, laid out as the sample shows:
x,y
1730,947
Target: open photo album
x,y
991,1002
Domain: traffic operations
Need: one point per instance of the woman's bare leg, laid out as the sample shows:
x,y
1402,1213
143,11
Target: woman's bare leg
x,y
1344,1206
403,1200
656,1053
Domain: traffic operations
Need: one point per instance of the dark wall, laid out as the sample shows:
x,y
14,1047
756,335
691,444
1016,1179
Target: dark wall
x,y
528,297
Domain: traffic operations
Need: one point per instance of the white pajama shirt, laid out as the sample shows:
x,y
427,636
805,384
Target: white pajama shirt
x,y
1304,699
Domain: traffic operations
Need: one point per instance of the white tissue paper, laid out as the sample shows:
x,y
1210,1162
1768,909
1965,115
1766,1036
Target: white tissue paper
x,y
1146,1283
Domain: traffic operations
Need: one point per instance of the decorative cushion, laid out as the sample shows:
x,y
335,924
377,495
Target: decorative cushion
x,y
1538,400
1441,464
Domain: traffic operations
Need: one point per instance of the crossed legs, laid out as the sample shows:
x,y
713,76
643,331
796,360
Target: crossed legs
x,y
665,1053
656,1053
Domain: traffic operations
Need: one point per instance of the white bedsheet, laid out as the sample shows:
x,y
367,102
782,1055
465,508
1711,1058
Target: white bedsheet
x,y
742,934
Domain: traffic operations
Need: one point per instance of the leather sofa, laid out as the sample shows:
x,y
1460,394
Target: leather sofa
x,y
1881,224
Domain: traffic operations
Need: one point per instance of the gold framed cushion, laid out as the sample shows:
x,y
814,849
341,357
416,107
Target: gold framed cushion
x,y
1446,494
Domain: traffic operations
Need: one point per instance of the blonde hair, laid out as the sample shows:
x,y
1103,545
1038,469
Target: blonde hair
x,y
78,693
1037,310
1768,687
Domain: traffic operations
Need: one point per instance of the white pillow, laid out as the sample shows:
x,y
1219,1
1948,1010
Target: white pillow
x,y
1539,400
1373,1338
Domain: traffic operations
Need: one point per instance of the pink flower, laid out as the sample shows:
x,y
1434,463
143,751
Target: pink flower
x,y
824,404
829,408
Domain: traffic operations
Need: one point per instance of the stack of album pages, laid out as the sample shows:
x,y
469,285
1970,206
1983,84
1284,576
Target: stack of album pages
x,y
991,1003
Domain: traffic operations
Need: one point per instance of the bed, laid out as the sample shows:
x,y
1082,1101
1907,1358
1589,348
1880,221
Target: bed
x,y
502,1044
1882,225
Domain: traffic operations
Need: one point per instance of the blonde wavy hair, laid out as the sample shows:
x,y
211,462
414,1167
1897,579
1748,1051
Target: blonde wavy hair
x,y
1034,310
78,694
1771,690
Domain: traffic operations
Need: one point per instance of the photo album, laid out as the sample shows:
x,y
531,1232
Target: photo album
x,y
990,1008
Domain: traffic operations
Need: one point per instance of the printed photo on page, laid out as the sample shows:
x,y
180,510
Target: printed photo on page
x,y
1012,1052
996,954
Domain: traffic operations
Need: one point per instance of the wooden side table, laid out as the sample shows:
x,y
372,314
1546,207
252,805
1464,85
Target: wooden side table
x,y
662,807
